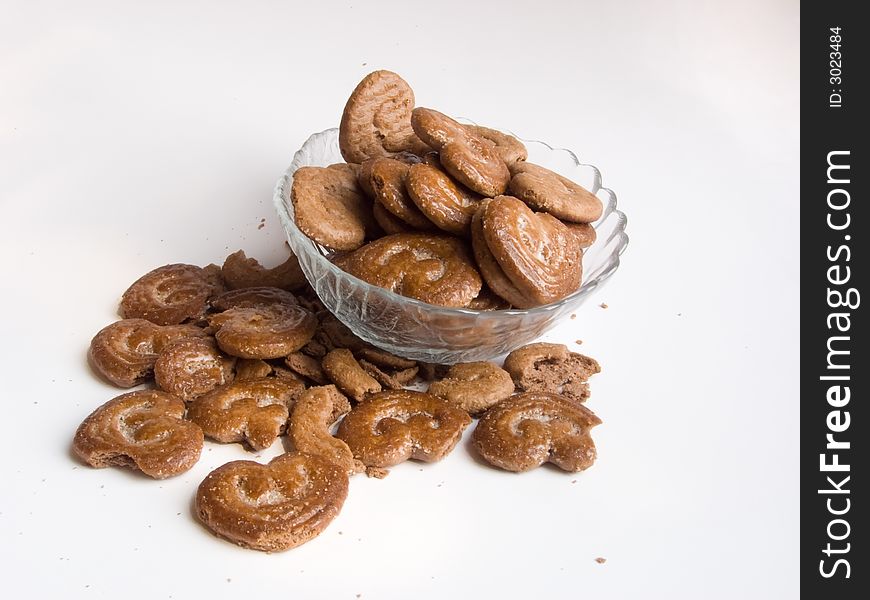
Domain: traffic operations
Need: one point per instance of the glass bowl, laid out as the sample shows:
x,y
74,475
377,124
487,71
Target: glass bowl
x,y
436,334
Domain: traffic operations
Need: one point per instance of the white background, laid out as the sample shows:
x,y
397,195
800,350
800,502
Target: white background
x,y
138,134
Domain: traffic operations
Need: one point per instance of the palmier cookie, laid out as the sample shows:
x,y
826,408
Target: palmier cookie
x,y
329,206
253,411
396,425
536,251
528,430
344,371
168,295
509,148
125,351
471,160
316,410
431,268
263,331
445,203
191,367
377,119
546,191
474,387
241,272
252,296
385,177
272,507
490,270
144,430
544,367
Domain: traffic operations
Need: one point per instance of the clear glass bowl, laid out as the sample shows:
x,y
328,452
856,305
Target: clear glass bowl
x,y
421,331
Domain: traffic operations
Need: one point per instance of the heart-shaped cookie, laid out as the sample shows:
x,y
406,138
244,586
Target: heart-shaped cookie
x,y
443,201
537,252
392,426
527,430
143,430
270,331
253,411
272,507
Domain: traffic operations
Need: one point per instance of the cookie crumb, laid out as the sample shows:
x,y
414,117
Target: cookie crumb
x,y
340,533
679,314
603,305
578,342
377,472
261,225
229,580
573,316
573,481
601,560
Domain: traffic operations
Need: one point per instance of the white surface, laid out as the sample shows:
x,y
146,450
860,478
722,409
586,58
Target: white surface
x,y
135,136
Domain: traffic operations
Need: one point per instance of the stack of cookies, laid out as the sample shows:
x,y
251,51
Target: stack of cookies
x,y
439,211
248,355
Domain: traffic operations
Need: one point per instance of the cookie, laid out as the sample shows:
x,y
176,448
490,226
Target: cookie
x,y
335,334
396,425
252,368
345,372
388,221
125,351
390,381
263,331
191,367
490,270
385,359
444,202
143,430
377,119
471,160
544,367
539,255
431,268
386,180
330,207
168,295
272,507
528,430
486,299
307,366
317,409
547,191
474,386
584,233
254,411
252,296
241,272
508,148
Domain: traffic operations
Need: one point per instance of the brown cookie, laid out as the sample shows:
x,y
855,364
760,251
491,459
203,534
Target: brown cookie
x,y
393,426
474,387
386,180
388,221
384,358
143,430
471,160
543,367
584,233
272,507
252,296
330,207
490,270
317,409
125,351
191,367
345,372
430,268
252,368
168,295
263,331
547,191
335,334
536,251
241,272
444,202
487,299
509,148
390,381
307,366
528,430
377,119
253,411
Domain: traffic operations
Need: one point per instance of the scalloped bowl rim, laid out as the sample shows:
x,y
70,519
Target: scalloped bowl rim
x,y
289,224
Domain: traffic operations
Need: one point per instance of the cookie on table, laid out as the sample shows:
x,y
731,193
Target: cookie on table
x,y
546,367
